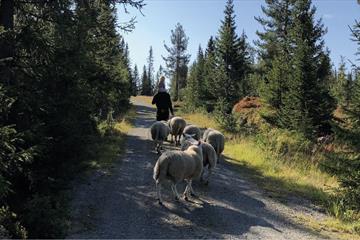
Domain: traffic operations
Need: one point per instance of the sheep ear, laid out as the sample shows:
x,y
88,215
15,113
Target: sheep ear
x,y
184,135
192,135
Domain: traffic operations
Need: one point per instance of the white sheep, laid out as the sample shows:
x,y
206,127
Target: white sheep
x,y
159,133
209,155
177,125
193,130
177,166
215,139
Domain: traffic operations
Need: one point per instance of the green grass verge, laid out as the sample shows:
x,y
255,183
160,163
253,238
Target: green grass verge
x,y
105,148
282,176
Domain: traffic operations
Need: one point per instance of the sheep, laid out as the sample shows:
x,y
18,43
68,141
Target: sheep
x,y
159,133
193,130
177,166
209,155
177,125
215,139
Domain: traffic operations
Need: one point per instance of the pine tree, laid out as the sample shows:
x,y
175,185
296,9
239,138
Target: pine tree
x,y
177,60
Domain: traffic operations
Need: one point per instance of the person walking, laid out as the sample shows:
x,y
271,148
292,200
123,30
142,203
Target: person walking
x,y
163,103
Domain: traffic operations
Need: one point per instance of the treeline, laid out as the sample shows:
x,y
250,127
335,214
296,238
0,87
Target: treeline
x,y
290,70
63,69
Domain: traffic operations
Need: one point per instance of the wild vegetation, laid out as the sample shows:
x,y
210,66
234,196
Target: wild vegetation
x,y
64,69
66,79
300,130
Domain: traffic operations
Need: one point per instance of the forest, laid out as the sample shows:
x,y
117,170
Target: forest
x,y
65,69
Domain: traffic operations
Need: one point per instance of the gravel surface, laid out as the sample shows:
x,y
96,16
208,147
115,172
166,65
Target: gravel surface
x,y
121,202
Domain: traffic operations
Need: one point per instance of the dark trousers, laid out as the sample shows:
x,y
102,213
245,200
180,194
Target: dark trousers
x,y
162,115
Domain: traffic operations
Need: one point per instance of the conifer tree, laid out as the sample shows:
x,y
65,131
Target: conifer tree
x,y
342,86
231,56
307,105
150,71
136,82
209,75
177,60
348,166
275,49
145,83
195,88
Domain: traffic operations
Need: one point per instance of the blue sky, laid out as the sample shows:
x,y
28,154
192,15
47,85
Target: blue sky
x,y
201,19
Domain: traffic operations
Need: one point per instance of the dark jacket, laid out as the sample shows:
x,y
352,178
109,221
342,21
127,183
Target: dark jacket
x,y
163,105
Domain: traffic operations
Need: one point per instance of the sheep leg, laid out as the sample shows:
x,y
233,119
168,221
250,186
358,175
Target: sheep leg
x,y
158,187
208,176
192,193
186,192
202,176
176,194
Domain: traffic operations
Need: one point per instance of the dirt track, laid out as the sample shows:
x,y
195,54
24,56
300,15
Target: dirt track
x,y
121,203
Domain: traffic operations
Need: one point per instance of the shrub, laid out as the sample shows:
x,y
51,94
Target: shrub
x,y
10,227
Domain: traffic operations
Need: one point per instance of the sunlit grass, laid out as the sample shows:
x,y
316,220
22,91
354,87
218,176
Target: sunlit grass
x,y
282,177
334,228
200,119
143,99
109,145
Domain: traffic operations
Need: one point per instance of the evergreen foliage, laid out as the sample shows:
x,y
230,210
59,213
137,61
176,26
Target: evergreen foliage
x,y
150,72
348,132
67,69
195,96
232,57
145,83
177,60
136,81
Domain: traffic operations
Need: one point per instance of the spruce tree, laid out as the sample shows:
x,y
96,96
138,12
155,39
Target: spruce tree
x,y
231,56
209,75
342,86
348,162
150,71
307,105
177,60
145,83
275,50
136,82
195,87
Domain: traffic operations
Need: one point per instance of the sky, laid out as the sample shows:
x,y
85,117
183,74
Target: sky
x,y
202,19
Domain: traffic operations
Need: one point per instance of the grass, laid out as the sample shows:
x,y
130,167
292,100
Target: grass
x,y
144,99
109,145
281,177
278,176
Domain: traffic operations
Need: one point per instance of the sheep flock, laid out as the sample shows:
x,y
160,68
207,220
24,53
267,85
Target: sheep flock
x,y
190,161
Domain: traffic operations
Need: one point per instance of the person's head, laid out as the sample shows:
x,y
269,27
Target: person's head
x,y
161,85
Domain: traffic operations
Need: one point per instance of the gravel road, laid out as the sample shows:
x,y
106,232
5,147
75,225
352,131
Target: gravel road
x,y
121,202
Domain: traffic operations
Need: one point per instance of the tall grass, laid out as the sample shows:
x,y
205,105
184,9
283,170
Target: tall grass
x,y
283,163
